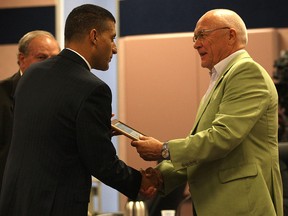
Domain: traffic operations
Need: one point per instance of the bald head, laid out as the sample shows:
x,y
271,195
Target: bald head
x,y
218,34
225,17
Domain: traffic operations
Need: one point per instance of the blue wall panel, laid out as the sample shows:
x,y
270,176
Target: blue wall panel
x,y
169,16
15,22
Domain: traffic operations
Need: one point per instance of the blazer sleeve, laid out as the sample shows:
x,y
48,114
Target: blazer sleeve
x,y
95,146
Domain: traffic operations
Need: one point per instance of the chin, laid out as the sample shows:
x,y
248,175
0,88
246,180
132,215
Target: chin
x,y
203,65
104,68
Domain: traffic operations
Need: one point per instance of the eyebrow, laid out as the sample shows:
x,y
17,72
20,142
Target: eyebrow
x,y
203,31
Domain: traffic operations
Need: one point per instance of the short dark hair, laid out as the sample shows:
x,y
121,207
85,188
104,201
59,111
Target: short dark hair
x,y
84,18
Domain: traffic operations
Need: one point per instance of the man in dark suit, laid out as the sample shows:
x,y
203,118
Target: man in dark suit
x,y
62,126
33,47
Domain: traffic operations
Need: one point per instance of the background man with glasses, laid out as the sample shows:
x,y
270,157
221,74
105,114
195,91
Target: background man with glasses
x,y
230,157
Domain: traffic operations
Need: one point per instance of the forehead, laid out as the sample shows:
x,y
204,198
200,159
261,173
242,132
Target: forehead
x,y
39,40
110,27
207,21
42,44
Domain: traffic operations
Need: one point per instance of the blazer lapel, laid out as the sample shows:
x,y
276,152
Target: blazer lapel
x,y
205,101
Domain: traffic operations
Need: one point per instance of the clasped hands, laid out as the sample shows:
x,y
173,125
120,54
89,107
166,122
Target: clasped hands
x,y
149,149
152,181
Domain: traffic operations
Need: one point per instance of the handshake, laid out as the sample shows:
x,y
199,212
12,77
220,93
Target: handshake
x,y
152,181
149,149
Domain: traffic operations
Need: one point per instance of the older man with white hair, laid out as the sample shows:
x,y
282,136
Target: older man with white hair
x,y
230,157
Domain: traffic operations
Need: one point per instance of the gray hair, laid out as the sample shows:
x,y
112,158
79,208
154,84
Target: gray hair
x,y
28,37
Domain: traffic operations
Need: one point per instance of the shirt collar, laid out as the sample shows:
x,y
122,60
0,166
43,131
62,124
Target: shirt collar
x,y
220,66
81,57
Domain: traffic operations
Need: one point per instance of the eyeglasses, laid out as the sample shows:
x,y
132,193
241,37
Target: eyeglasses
x,y
201,34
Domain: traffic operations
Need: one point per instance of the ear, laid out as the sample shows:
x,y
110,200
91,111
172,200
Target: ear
x,y
232,36
20,57
93,35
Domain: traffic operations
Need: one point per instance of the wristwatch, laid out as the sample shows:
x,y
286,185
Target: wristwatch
x,y
165,151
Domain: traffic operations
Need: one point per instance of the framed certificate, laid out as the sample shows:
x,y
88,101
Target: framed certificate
x,y
125,129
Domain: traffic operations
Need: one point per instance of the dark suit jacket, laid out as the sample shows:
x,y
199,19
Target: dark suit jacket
x,y
7,89
61,136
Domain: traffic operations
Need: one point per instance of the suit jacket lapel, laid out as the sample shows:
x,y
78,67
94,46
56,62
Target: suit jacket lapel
x,y
15,78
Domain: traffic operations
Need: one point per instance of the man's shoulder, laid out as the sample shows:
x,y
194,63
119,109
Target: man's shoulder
x,y
15,76
6,85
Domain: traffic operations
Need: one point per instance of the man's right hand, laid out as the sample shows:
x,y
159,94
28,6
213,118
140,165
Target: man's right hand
x,y
152,181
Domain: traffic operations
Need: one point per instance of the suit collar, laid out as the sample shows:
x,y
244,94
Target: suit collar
x,y
67,53
15,78
220,66
232,62
236,59
81,57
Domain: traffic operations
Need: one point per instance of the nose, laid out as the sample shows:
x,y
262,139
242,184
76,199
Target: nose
x,y
197,44
114,49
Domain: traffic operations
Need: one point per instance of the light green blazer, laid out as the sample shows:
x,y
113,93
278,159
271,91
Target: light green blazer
x,y
230,157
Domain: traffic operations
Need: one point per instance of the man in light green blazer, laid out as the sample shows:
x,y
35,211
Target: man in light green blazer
x,y
230,158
